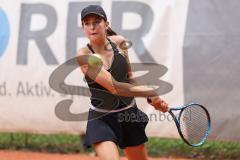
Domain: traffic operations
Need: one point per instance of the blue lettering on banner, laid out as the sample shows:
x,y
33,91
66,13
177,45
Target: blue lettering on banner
x,y
4,31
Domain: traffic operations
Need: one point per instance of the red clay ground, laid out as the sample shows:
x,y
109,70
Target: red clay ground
x,y
22,155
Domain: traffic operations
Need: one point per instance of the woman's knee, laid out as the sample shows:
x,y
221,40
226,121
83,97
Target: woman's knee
x,y
107,150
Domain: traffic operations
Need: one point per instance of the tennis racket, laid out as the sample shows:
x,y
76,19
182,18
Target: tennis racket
x,y
193,123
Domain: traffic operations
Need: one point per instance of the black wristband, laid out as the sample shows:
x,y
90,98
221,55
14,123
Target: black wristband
x,y
149,100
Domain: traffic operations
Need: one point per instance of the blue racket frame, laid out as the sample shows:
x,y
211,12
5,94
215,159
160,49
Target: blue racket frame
x,y
177,122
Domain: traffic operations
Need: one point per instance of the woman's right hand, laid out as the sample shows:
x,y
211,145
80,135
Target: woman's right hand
x,y
158,103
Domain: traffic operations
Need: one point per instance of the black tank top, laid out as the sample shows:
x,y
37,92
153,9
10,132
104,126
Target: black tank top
x,y
102,98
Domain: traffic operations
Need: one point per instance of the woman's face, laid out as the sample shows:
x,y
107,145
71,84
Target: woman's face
x,y
94,27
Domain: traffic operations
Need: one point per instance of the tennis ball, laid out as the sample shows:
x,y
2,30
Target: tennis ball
x,y
94,60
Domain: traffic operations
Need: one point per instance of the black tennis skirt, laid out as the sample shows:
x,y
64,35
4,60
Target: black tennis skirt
x,y
126,128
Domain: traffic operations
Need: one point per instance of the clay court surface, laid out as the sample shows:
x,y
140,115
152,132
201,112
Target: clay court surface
x,y
25,155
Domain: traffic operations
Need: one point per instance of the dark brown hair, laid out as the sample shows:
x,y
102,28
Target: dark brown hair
x,y
110,32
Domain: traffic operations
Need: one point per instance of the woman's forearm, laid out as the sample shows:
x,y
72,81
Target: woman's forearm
x,y
133,90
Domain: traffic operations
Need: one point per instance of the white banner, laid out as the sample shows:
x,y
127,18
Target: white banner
x,y
37,37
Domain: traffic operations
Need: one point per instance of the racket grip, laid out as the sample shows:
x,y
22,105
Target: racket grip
x,y
149,100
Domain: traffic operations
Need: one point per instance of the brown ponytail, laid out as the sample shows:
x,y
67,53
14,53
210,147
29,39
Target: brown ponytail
x,y
110,32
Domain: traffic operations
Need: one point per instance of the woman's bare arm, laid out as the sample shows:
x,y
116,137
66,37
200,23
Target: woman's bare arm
x,y
105,79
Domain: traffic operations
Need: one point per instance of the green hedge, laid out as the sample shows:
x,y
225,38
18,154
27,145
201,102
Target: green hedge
x,y
63,143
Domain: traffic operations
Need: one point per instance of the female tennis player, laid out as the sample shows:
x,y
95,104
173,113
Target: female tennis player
x,y
123,126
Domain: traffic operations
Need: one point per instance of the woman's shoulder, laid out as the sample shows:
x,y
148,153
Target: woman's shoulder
x,y
118,39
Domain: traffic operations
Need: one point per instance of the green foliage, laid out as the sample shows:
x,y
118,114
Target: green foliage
x,y
63,143
210,150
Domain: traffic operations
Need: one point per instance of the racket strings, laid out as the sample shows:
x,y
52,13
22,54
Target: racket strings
x,y
194,124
